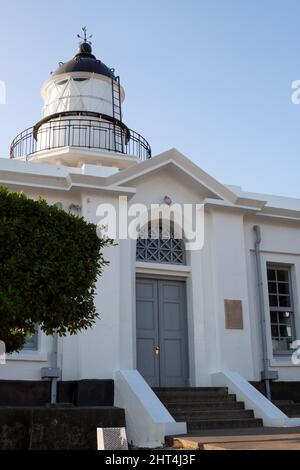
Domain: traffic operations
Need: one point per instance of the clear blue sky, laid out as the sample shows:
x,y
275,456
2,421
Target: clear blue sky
x,y
209,77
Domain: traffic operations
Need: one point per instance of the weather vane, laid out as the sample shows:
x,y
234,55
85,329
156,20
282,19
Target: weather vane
x,y
85,38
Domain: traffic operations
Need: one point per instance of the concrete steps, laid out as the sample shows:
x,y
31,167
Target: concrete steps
x,y
186,396
205,405
207,408
223,424
191,393
216,414
200,390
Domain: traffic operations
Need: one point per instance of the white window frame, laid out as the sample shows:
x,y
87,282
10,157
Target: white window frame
x,y
35,342
39,354
291,309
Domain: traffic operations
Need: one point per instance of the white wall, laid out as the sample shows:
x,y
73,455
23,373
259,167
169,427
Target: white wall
x,y
27,364
280,244
152,190
99,345
225,267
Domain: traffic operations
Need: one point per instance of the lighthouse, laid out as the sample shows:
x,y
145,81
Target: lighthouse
x,y
82,119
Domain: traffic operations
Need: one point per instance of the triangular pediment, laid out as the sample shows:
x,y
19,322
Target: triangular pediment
x,y
184,170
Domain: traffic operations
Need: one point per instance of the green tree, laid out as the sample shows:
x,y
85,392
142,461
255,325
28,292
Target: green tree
x,y
49,263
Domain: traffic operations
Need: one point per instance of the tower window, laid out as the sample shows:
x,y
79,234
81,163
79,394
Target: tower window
x,y
80,79
62,82
281,308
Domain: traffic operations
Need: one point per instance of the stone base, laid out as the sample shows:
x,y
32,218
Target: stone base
x,y
281,390
55,428
37,393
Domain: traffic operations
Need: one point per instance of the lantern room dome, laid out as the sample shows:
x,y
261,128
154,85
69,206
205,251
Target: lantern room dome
x,y
84,61
82,113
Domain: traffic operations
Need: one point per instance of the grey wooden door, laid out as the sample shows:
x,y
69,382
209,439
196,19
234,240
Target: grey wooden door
x,y
162,356
147,330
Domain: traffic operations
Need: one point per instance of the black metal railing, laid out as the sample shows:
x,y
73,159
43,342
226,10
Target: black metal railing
x,y
83,133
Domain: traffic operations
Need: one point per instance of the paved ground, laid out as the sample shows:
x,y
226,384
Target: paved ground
x,y
241,439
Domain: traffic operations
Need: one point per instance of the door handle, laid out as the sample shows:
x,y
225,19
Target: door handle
x,y
157,350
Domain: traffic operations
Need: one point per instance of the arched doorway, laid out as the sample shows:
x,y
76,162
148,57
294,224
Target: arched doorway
x,y
161,316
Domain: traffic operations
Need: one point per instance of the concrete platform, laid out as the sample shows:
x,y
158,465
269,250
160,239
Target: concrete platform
x,y
241,439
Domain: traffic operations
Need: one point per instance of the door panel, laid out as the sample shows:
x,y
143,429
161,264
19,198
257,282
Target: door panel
x,y
173,334
161,321
147,330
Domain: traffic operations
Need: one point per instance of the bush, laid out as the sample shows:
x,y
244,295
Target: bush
x,y
49,263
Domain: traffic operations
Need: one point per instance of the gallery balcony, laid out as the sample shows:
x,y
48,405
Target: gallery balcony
x,y
85,131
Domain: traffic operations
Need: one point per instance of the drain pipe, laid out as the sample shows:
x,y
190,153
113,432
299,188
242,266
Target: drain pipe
x,y
52,373
54,365
265,373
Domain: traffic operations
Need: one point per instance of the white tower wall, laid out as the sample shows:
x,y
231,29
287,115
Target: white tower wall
x,y
78,91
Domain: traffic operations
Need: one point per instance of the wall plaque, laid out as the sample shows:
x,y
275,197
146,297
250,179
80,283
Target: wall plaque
x,y
233,314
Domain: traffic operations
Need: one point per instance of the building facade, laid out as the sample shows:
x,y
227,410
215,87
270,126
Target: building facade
x,y
176,315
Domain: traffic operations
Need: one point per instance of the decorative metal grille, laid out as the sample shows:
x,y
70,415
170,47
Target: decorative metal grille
x,y
160,247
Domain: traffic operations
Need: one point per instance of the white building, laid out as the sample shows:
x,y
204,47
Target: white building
x,y
182,318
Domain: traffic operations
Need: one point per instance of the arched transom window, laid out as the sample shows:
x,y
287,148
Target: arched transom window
x,y
157,244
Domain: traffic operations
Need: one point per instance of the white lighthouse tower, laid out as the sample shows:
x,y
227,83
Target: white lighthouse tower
x,y
82,118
